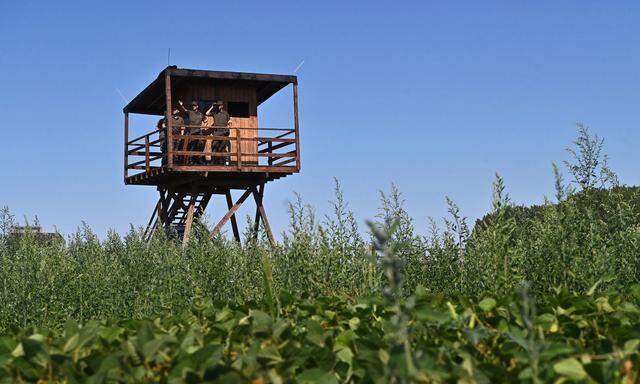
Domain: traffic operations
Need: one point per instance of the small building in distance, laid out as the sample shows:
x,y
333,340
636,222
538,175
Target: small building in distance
x,y
17,232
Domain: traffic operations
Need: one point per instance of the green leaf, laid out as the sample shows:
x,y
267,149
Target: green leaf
x,y
316,376
150,348
384,356
630,346
556,350
315,333
525,374
593,288
72,343
430,314
487,304
570,368
35,351
261,321
270,353
345,355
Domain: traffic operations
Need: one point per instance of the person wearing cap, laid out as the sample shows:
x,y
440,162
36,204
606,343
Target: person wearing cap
x,y
178,128
221,121
194,117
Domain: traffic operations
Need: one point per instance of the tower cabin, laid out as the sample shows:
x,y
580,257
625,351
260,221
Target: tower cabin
x,y
191,159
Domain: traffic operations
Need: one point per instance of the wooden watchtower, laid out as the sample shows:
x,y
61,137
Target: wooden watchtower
x,y
166,157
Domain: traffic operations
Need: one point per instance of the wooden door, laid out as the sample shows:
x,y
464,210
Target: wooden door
x,y
248,130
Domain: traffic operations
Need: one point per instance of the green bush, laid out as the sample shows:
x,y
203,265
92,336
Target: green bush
x,y
538,294
328,339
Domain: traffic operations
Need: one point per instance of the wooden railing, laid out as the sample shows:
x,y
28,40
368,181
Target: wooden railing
x,y
248,150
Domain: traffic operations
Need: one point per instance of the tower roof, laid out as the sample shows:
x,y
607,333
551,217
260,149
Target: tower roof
x,y
151,101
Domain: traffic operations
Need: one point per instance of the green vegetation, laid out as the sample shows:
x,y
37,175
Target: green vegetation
x,y
529,293
332,340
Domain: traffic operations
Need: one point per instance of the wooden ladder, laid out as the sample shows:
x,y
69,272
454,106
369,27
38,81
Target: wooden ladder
x,y
175,212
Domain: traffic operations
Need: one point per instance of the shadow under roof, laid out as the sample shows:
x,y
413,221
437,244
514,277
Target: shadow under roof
x,y
151,101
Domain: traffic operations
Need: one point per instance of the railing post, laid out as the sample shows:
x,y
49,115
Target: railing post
x,y
146,154
126,145
269,151
238,148
169,134
296,124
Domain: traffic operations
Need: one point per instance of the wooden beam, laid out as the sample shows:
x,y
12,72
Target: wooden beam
x,y
146,154
150,225
196,136
256,222
234,169
126,140
168,115
220,154
177,203
203,204
270,148
296,124
233,210
238,149
284,162
189,219
234,222
152,154
222,75
164,204
257,196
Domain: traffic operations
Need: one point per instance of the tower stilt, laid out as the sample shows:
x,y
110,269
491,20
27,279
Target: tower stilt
x,y
175,212
261,213
234,222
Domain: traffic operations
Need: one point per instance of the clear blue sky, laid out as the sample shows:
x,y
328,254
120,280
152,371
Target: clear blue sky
x,y
435,96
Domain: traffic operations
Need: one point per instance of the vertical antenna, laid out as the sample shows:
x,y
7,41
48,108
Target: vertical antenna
x,y
169,57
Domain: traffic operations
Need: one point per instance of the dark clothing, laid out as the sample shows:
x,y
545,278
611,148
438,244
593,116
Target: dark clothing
x,y
220,146
195,117
177,122
221,128
221,119
162,129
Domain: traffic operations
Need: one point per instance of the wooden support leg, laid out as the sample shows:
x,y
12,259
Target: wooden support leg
x,y
174,208
234,222
189,219
151,225
165,197
257,196
156,217
203,205
256,225
232,210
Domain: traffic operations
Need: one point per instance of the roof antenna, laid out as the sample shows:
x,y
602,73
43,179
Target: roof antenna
x,y
121,95
169,56
299,66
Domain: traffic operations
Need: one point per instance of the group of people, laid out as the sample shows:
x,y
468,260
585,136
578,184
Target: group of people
x,y
215,121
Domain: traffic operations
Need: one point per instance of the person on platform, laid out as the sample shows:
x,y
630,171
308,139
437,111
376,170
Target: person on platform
x,y
194,120
221,124
178,129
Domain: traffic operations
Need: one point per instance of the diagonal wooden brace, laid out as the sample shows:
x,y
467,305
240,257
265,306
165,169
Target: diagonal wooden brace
x,y
261,213
234,222
189,219
231,212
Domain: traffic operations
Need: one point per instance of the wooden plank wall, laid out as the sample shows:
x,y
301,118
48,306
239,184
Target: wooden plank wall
x,y
206,90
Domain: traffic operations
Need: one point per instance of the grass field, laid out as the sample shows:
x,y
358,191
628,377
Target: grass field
x,y
548,293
